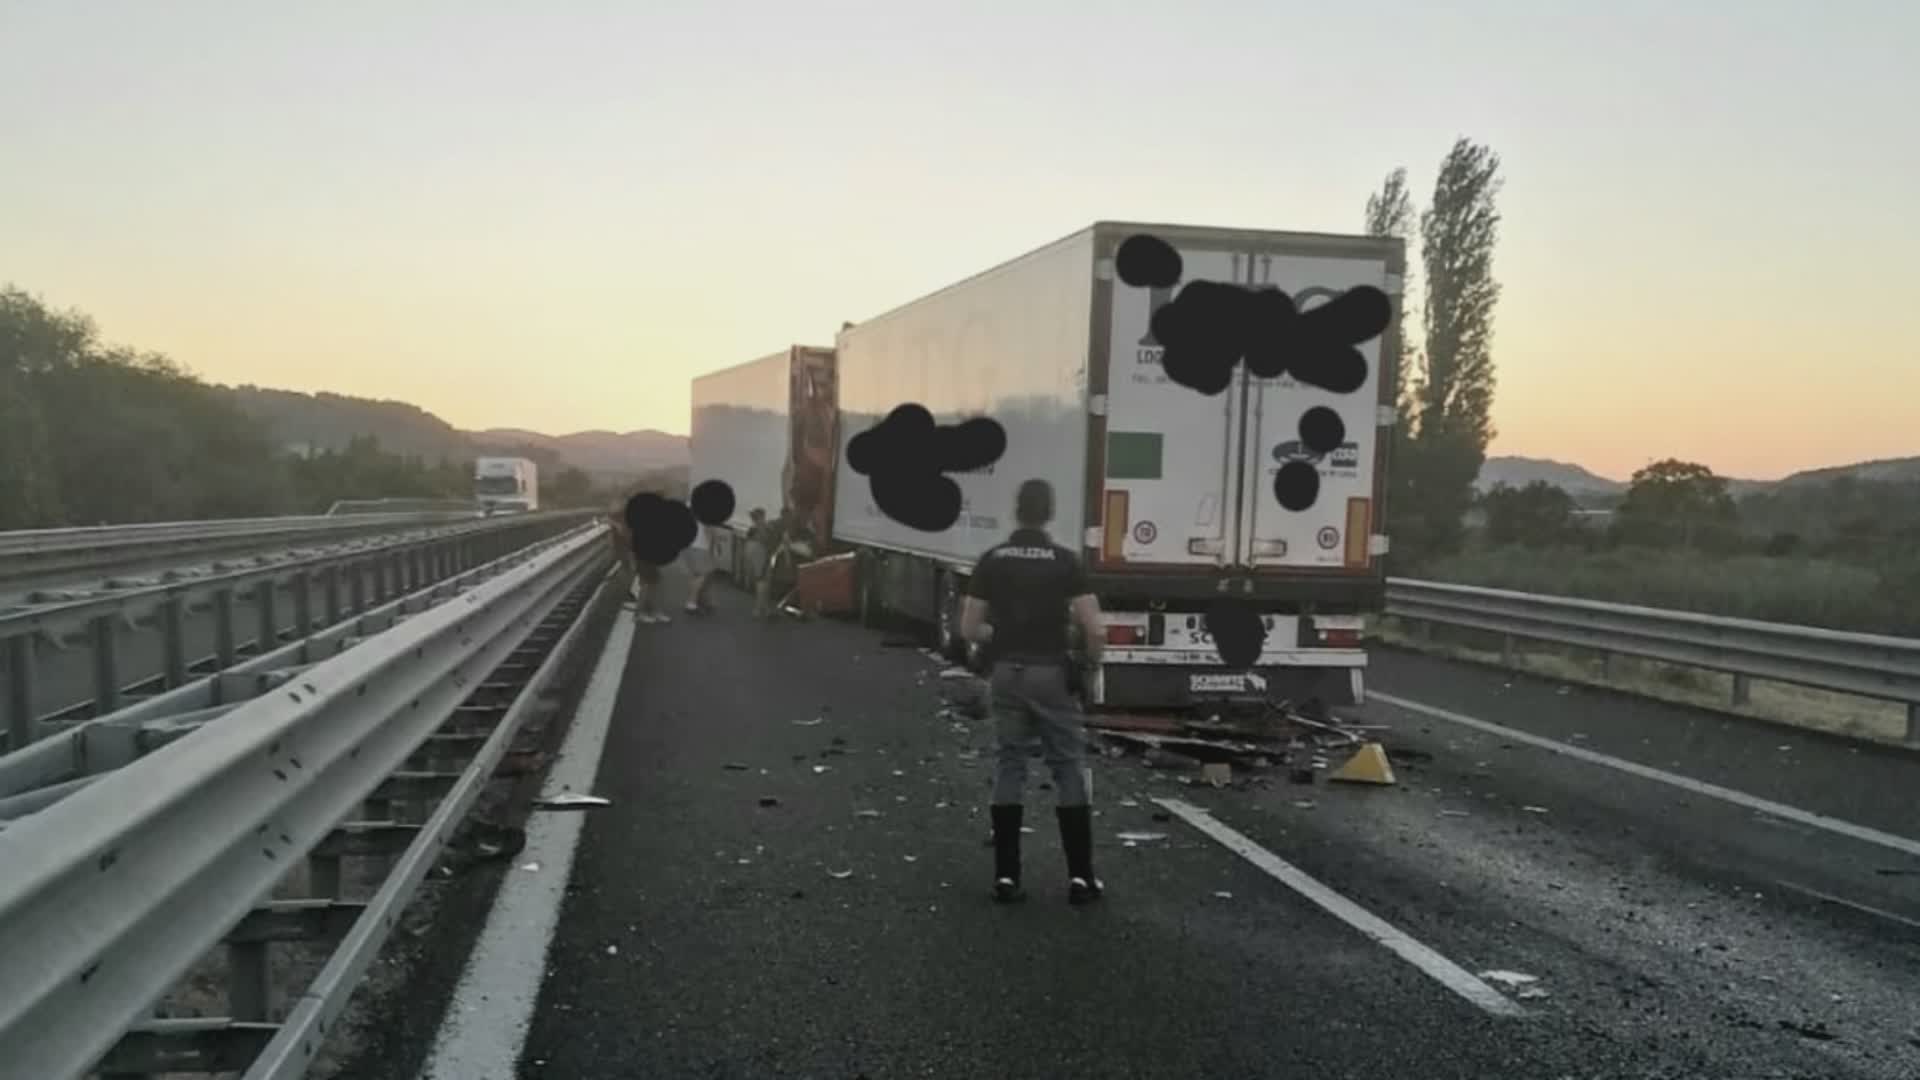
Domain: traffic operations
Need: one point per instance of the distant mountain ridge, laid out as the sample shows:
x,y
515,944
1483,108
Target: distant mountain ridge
x,y
1515,471
312,422
326,421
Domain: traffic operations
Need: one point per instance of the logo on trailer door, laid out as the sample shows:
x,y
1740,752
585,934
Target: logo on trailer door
x,y
1329,538
1145,532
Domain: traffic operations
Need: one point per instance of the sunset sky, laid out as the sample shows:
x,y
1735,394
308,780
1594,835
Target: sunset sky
x,y
553,216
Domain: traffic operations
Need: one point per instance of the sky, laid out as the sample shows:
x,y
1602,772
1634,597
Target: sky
x,y
554,216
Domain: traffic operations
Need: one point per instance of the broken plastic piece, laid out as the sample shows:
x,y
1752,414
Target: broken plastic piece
x,y
818,769
866,813
1509,978
1223,895
839,875
530,867
571,801
1129,803
1534,809
815,722
1142,837
736,766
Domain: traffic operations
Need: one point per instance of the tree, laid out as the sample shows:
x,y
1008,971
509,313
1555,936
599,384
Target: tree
x,y
1673,500
1537,515
1446,391
572,487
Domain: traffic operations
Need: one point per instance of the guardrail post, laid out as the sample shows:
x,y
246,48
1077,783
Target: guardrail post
x,y
303,604
173,641
265,598
1742,689
1913,725
1506,649
106,665
249,990
330,585
19,691
223,644
358,577
323,876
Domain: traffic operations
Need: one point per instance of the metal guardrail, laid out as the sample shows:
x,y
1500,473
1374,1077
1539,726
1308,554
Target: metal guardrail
x,y
45,553
39,775
1867,665
317,591
347,507
114,893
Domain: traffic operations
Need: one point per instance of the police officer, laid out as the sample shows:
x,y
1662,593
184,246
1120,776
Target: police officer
x,y
1017,606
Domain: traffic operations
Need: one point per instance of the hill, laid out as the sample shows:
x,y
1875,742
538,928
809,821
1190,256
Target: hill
x,y
1521,471
1886,470
310,422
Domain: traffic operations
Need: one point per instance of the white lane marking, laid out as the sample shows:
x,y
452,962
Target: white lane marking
x,y
1437,967
1843,902
486,1023
1698,787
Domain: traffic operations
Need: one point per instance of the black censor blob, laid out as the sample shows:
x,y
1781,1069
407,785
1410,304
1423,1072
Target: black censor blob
x,y
1238,633
661,528
712,502
1148,262
1211,327
905,458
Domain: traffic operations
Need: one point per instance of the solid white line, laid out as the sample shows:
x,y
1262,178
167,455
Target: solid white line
x,y
1439,968
1698,787
1846,903
486,1023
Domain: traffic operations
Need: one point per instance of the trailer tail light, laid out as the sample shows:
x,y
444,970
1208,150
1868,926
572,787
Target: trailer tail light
x,y
1341,639
1359,524
1113,542
1123,635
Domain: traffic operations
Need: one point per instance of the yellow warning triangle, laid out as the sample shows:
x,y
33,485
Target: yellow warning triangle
x,y
1369,766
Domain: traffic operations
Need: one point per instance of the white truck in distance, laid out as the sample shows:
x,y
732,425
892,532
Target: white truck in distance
x,y
506,483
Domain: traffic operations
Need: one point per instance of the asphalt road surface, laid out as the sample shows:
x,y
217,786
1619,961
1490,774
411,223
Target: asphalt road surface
x,y
791,881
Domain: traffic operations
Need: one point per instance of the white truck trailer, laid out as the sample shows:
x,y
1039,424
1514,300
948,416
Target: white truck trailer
x,y
766,428
506,484
1167,494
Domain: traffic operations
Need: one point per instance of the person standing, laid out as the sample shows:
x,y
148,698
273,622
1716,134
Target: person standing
x,y
1029,587
699,563
646,576
759,555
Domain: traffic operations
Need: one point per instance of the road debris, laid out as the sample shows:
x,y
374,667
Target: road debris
x,y
530,867
1142,837
818,769
1454,813
866,813
571,801
736,766
769,800
613,950
839,875
1509,978
1817,1030
1129,803
1223,895
1304,804
1217,773
1535,809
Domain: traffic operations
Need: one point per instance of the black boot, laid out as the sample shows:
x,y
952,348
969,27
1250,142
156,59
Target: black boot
x,y
1006,852
1076,838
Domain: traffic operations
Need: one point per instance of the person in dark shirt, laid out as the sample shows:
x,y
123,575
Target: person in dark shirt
x,y
1018,602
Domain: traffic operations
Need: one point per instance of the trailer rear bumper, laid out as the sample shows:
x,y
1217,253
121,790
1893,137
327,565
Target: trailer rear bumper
x,y
1158,679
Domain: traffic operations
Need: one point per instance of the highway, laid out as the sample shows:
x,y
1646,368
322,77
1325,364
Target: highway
x,y
790,880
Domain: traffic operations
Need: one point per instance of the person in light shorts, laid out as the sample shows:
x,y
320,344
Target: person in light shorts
x,y
698,561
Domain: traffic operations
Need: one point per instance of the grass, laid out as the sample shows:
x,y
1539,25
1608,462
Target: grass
x,y
1780,703
1804,591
